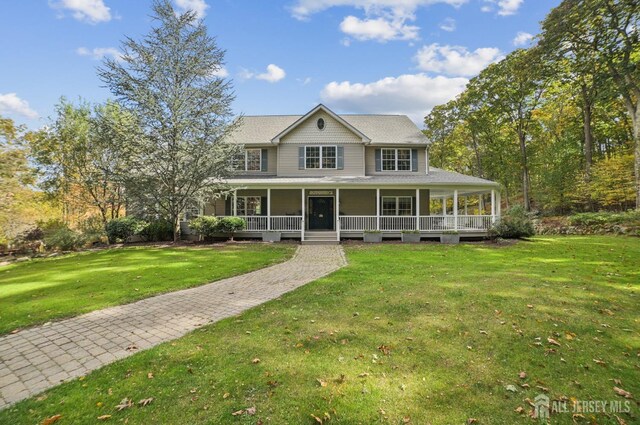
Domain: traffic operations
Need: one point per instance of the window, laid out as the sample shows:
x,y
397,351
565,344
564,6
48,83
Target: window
x,y
397,205
249,160
396,159
192,211
320,124
321,157
248,205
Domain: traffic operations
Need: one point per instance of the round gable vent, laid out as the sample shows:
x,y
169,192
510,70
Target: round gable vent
x,y
320,124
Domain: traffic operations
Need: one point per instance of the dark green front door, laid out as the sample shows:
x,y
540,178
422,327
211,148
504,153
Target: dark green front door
x,y
321,213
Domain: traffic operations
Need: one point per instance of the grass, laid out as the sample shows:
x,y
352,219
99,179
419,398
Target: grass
x,y
421,334
47,289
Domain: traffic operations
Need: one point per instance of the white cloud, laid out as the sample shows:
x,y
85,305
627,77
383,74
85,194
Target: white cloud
x,y
273,75
198,6
449,24
505,7
10,103
384,20
522,39
220,72
378,29
411,94
455,60
91,11
304,81
99,53
303,9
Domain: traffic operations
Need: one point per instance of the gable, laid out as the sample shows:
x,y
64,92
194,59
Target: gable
x,y
334,132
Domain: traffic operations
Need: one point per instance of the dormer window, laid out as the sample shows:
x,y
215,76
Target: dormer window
x,y
320,123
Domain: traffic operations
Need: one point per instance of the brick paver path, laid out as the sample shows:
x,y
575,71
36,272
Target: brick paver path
x,y
42,357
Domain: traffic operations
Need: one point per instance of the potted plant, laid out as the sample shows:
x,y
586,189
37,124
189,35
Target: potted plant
x,y
410,236
450,236
271,236
372,236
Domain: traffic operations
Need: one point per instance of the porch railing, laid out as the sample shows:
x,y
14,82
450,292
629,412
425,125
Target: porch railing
x,y
432,223
285,223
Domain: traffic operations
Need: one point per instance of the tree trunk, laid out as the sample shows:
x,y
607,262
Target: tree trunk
x,y
525,171
636,142
176,228
588,134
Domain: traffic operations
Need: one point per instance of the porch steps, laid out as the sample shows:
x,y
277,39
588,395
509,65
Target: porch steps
x,y
320,238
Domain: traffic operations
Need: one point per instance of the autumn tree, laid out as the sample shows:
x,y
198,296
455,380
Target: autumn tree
x,y
168,80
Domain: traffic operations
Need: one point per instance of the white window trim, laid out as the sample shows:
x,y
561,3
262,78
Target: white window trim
x,y
321,157
395,158
397,202
246,159
245,198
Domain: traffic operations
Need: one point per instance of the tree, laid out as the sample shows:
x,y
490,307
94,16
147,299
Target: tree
x,y
605,32
512,88
168,80
80,159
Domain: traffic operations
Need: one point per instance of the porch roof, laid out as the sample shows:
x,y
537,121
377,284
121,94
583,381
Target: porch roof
x,y
436,177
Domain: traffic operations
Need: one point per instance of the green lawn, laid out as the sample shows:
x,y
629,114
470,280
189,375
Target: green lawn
x,y
47,289
421,334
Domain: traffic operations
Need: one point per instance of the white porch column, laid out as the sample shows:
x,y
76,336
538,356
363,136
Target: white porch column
x,y
455,209
378,209
269,209
417,209
466,204
303,223
498,204
235,203
338,213
444,205
493,206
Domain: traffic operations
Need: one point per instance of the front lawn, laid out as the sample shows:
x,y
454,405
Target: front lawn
x,y
420,334
46,289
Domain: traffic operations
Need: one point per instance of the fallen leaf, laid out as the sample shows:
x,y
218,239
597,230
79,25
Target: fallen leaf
x,y
237,413
124,404
511,388
145,401
150,375
104,417
385,349
132,347
620,420
316,418
225,395
51,419
255,361
406,420
522,375
525,385
543,389
322,382
363,374
519,410
483,332
472,421
553,342
622,393
600,362
529,305
251,410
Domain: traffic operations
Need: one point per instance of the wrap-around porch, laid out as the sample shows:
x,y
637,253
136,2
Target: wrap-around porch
x,y
349,212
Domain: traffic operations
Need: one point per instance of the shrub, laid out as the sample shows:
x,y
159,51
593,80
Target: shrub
x,y
603,218
231,225
514,224
157,230
92,231
205,226
57,235
29,242
120,229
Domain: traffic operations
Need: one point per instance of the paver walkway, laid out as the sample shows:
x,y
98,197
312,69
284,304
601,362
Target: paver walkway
x,y
42,357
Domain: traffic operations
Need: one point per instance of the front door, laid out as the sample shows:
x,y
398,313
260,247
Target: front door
x,y
321,213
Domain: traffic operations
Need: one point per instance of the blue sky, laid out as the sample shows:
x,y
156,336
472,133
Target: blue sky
x,y
357,56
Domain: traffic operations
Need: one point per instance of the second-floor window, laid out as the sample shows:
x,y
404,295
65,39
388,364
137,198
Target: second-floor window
x,y
321,157
250,160
396,159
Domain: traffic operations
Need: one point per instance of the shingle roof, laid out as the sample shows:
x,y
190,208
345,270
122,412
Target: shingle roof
x,y
381,129
436,176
